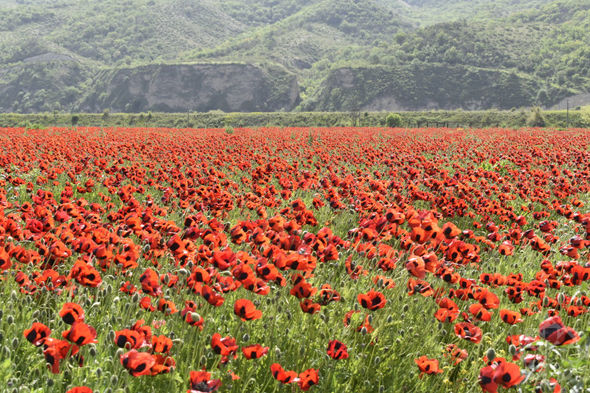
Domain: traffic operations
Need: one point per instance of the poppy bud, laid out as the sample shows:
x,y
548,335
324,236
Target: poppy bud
x,y
377,360
245,337
183,272
363,330
405,308
108,390
2,313
1,336
512,349
203,360
98,371
370,318
10,319
491,355
49,382
560,297
92,351
390,319
15,342
111,335
545,301
380,282
120,351
116,299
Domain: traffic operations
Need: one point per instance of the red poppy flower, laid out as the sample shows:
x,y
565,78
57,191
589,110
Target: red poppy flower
x,y
80,389
37,334
201,382
138,363
80,334
372,300
308,378
554,331
224,346
507,375
162,364
468,331
510,317
456,354
71,312
254,351
161,344
282,375
129,339
427,366
308,306
337,350
246,310
57,350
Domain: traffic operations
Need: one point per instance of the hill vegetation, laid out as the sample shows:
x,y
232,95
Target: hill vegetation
x,y
343,54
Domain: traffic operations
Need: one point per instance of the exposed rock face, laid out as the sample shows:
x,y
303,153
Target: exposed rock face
x,y
574,101
424,87
193,87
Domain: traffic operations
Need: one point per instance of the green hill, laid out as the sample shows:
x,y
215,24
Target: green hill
x,y
329,54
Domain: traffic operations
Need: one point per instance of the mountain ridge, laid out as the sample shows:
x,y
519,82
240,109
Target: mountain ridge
x,y
70,47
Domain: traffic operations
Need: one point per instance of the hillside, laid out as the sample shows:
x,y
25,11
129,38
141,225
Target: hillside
x,y
65,55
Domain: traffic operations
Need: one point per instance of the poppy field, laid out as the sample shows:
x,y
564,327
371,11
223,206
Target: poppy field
x,y
294,259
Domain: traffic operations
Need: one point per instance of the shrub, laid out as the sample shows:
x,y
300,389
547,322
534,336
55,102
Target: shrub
x,y
535,118
393,120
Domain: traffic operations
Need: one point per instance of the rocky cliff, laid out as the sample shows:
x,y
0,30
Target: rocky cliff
x,y
425,86
193,87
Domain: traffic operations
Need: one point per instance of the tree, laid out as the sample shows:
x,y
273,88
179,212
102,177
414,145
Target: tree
x,y
393,120
535,118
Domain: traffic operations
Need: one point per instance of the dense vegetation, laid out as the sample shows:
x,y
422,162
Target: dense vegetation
x,y
536,51
580,117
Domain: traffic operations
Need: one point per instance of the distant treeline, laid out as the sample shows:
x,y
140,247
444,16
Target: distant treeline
x,y
451,119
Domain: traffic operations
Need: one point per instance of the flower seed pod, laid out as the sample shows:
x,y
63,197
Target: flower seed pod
x,y
491,355
512,349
